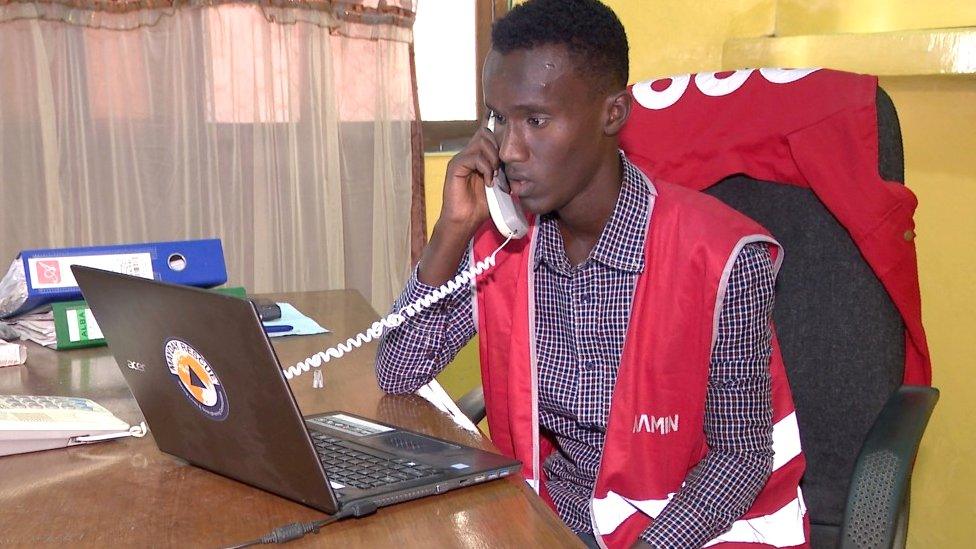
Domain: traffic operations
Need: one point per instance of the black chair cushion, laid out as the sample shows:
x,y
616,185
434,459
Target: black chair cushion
x,y
842,338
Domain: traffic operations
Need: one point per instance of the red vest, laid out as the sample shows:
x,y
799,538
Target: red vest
x,y
655,433
815,129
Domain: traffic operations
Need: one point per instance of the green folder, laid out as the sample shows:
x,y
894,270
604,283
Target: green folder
x,y
75,327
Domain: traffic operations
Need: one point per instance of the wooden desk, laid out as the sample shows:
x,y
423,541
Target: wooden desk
x,y
129,493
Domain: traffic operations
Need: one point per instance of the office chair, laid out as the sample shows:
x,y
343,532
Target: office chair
x,y
842,337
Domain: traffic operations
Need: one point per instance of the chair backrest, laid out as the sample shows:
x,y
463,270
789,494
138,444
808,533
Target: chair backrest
x,y
842,338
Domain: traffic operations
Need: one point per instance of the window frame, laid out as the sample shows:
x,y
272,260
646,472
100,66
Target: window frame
x,y
451,135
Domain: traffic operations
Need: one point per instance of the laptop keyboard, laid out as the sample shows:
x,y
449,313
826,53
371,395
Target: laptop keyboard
x,y
363,470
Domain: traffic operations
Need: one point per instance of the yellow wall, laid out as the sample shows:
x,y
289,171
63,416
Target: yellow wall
x,y
862,16
906,52
464,373
938,114
669,37
938,118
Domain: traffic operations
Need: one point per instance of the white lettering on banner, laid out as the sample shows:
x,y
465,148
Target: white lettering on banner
x,y
657,100
713,86
653,424
709,84
784,76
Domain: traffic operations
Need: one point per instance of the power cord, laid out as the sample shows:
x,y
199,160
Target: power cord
x,y
296,530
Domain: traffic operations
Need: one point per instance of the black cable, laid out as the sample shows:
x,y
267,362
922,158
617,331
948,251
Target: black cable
x,y
296,530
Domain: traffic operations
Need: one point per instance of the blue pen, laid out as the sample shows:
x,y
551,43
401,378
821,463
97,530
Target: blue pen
x,y
278,328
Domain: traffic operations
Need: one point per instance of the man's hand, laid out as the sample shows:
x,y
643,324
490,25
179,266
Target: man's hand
x,y
468,172
641,544
465,207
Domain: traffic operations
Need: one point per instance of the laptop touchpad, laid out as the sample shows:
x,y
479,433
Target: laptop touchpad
x,y
398,441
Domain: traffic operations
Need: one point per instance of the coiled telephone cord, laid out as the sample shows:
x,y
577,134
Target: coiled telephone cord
x,y
393,320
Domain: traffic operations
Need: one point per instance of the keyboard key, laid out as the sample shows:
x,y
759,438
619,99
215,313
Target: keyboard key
x,y
362,470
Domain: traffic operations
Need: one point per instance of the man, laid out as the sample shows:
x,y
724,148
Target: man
x,y
652,297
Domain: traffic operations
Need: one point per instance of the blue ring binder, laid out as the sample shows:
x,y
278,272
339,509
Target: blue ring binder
x,y
47,274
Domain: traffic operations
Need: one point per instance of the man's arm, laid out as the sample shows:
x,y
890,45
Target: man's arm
x,y
738,414
412,354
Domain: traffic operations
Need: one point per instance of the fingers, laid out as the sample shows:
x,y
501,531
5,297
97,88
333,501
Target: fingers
x,y
486,169
479,156
489,160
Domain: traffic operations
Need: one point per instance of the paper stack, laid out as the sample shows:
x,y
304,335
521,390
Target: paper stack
x,y
36,327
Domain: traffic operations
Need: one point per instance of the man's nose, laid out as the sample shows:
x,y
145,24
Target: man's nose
x,y
511,147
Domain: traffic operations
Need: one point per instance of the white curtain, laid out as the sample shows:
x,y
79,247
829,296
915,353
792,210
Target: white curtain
x,y
286,134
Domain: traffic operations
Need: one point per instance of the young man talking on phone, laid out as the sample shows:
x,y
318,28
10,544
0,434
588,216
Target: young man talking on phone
x,y
625,342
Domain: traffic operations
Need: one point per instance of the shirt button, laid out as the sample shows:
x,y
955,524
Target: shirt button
x,y
586,298
590,365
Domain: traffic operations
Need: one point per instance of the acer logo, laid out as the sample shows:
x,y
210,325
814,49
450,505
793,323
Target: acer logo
x,y
662,425
137,366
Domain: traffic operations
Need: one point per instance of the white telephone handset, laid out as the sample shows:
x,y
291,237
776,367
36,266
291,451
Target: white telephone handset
x,y
508,217
509,220
30,423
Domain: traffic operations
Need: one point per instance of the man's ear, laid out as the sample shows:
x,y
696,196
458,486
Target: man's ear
x,y
617,110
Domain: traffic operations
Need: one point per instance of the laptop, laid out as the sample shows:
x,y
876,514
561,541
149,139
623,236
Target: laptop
x,y
213,393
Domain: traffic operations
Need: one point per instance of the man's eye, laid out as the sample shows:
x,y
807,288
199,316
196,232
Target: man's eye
x,y
537,122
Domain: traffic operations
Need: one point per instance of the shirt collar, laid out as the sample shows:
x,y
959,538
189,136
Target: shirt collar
x,y
621,246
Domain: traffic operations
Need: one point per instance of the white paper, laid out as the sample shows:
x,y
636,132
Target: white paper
x,y
436,395
12,354
75,316
36,327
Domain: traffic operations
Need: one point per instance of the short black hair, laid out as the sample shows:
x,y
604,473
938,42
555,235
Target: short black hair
x,y
589,29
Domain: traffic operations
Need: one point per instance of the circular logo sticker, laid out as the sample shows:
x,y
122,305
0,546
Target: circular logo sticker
x,y
194,376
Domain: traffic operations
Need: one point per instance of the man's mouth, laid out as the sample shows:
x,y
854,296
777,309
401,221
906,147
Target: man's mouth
x,y
519,186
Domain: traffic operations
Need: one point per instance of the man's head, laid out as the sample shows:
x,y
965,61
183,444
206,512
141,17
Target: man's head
x,y
587,28
556,79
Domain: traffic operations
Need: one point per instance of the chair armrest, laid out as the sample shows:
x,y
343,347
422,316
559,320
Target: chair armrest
x,y
472,404
876,514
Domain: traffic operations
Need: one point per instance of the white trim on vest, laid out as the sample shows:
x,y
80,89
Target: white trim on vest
x,y
474,287
783,528
723,282
610,512
598,531
533,360
786,441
